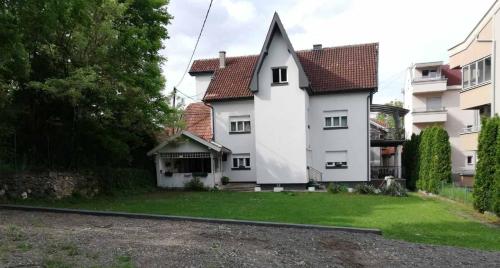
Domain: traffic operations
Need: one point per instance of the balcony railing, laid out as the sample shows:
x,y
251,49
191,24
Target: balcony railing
x,y
471,129
380,172
429,109
429,78
389,134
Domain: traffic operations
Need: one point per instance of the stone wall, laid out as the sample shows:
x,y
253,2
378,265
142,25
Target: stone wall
x,y
55,185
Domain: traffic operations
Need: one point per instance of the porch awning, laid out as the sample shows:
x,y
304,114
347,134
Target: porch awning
x,y
185,155
209,144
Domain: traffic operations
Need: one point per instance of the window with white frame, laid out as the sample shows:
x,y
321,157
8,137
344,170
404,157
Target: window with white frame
x,y
470,160
476,73
279,75
335,119
241,161
335,159
240,124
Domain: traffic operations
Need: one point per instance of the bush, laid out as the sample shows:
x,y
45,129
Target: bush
x,y
395,189
195,184
410,161
484,182
363,188
114,180
224,180
335,188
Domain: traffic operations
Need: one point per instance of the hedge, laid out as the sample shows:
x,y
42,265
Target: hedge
x,y
434,164
486,185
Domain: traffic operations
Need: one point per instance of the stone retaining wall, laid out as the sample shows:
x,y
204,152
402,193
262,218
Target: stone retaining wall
x,y
54,185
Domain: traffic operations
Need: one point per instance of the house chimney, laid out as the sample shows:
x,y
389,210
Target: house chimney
x,y
317,47
222,59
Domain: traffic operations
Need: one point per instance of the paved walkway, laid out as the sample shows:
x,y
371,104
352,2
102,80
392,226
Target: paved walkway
x,y
40,238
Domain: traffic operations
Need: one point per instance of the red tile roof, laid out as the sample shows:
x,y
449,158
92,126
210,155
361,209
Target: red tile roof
x,y
198,120
454,75
329,70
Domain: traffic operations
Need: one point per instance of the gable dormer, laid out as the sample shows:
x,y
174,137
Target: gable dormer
x,y
276,30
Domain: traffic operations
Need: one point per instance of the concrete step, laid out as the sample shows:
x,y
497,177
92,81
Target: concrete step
x,y
239,187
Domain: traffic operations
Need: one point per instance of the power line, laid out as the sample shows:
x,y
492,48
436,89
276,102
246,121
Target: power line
x,y
195,46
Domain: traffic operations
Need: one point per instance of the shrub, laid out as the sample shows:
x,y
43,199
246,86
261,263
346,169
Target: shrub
x,y
496,193
424,159
113,180
224,180
484,181
363,188
410,161
195,184
395,189
335,188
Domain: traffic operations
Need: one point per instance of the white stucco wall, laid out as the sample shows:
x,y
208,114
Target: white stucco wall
x,y
280,115
237,143
202,81
496,69
354,139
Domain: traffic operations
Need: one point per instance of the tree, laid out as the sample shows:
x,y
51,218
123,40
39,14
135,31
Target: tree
x,y
82,80
484,180
425,154
496,193
388,119
440,165
410,160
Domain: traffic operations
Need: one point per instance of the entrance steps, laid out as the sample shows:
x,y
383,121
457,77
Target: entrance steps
x,y
239,187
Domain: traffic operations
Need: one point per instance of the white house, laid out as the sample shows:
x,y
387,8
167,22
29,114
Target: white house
x,y
282,116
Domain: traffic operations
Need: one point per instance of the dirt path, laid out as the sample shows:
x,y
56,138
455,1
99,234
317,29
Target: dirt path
x,y
66,240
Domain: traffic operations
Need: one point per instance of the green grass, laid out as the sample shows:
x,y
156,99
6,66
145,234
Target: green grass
x,y
415,219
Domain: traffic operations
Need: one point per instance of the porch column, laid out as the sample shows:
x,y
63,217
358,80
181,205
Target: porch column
x,y
212,167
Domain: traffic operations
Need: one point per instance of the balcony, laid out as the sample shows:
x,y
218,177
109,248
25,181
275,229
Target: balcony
x,y
469,138
429,115
475,97
429,84
387,137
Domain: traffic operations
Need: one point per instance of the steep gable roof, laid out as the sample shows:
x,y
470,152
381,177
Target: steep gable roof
x,y
198,118
276,25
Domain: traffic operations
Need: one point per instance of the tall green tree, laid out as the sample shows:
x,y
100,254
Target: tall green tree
x,y
410,161
80,80
484,181
440,165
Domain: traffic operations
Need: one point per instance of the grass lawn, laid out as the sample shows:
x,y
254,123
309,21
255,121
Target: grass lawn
x,y
415,218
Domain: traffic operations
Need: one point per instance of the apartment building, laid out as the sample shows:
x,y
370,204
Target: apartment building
x,y
476,56
432,94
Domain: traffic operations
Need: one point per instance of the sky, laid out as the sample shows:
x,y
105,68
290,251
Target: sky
x,y
407,31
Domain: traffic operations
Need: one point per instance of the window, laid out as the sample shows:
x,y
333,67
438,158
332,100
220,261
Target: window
x,y
335,119
335,159
470,160
434,104
240,124
279,75
241,161
476,73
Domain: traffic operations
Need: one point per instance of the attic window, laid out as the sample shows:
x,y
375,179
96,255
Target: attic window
x,y
279,75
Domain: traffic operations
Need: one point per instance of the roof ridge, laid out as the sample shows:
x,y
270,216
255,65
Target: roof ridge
x,y
342,46
230,57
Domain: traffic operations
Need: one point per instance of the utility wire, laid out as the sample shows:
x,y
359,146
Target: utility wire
x,y
195,46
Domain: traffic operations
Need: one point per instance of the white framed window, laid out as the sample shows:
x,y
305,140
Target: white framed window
x,y
476,73
336,159
470,160
239,124
241,161
280,75
335,119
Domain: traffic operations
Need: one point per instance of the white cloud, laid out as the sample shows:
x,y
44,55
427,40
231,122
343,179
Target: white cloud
x,y
239,11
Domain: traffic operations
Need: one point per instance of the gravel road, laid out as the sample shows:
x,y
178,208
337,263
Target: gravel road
x,y
38,239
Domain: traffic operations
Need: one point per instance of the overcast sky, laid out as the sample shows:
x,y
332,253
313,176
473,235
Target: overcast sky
x,y
408,31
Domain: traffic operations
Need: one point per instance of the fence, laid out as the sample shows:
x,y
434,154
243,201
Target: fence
x,y
456,192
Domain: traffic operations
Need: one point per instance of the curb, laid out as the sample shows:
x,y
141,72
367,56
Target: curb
x,y
192,219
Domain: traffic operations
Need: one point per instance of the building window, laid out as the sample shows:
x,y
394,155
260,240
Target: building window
x,y
335,119
335,159
279,75
241,161
476,73
240,124
470,160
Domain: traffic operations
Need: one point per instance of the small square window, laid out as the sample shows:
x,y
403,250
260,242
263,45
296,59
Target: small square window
x,y
279,75
470,159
